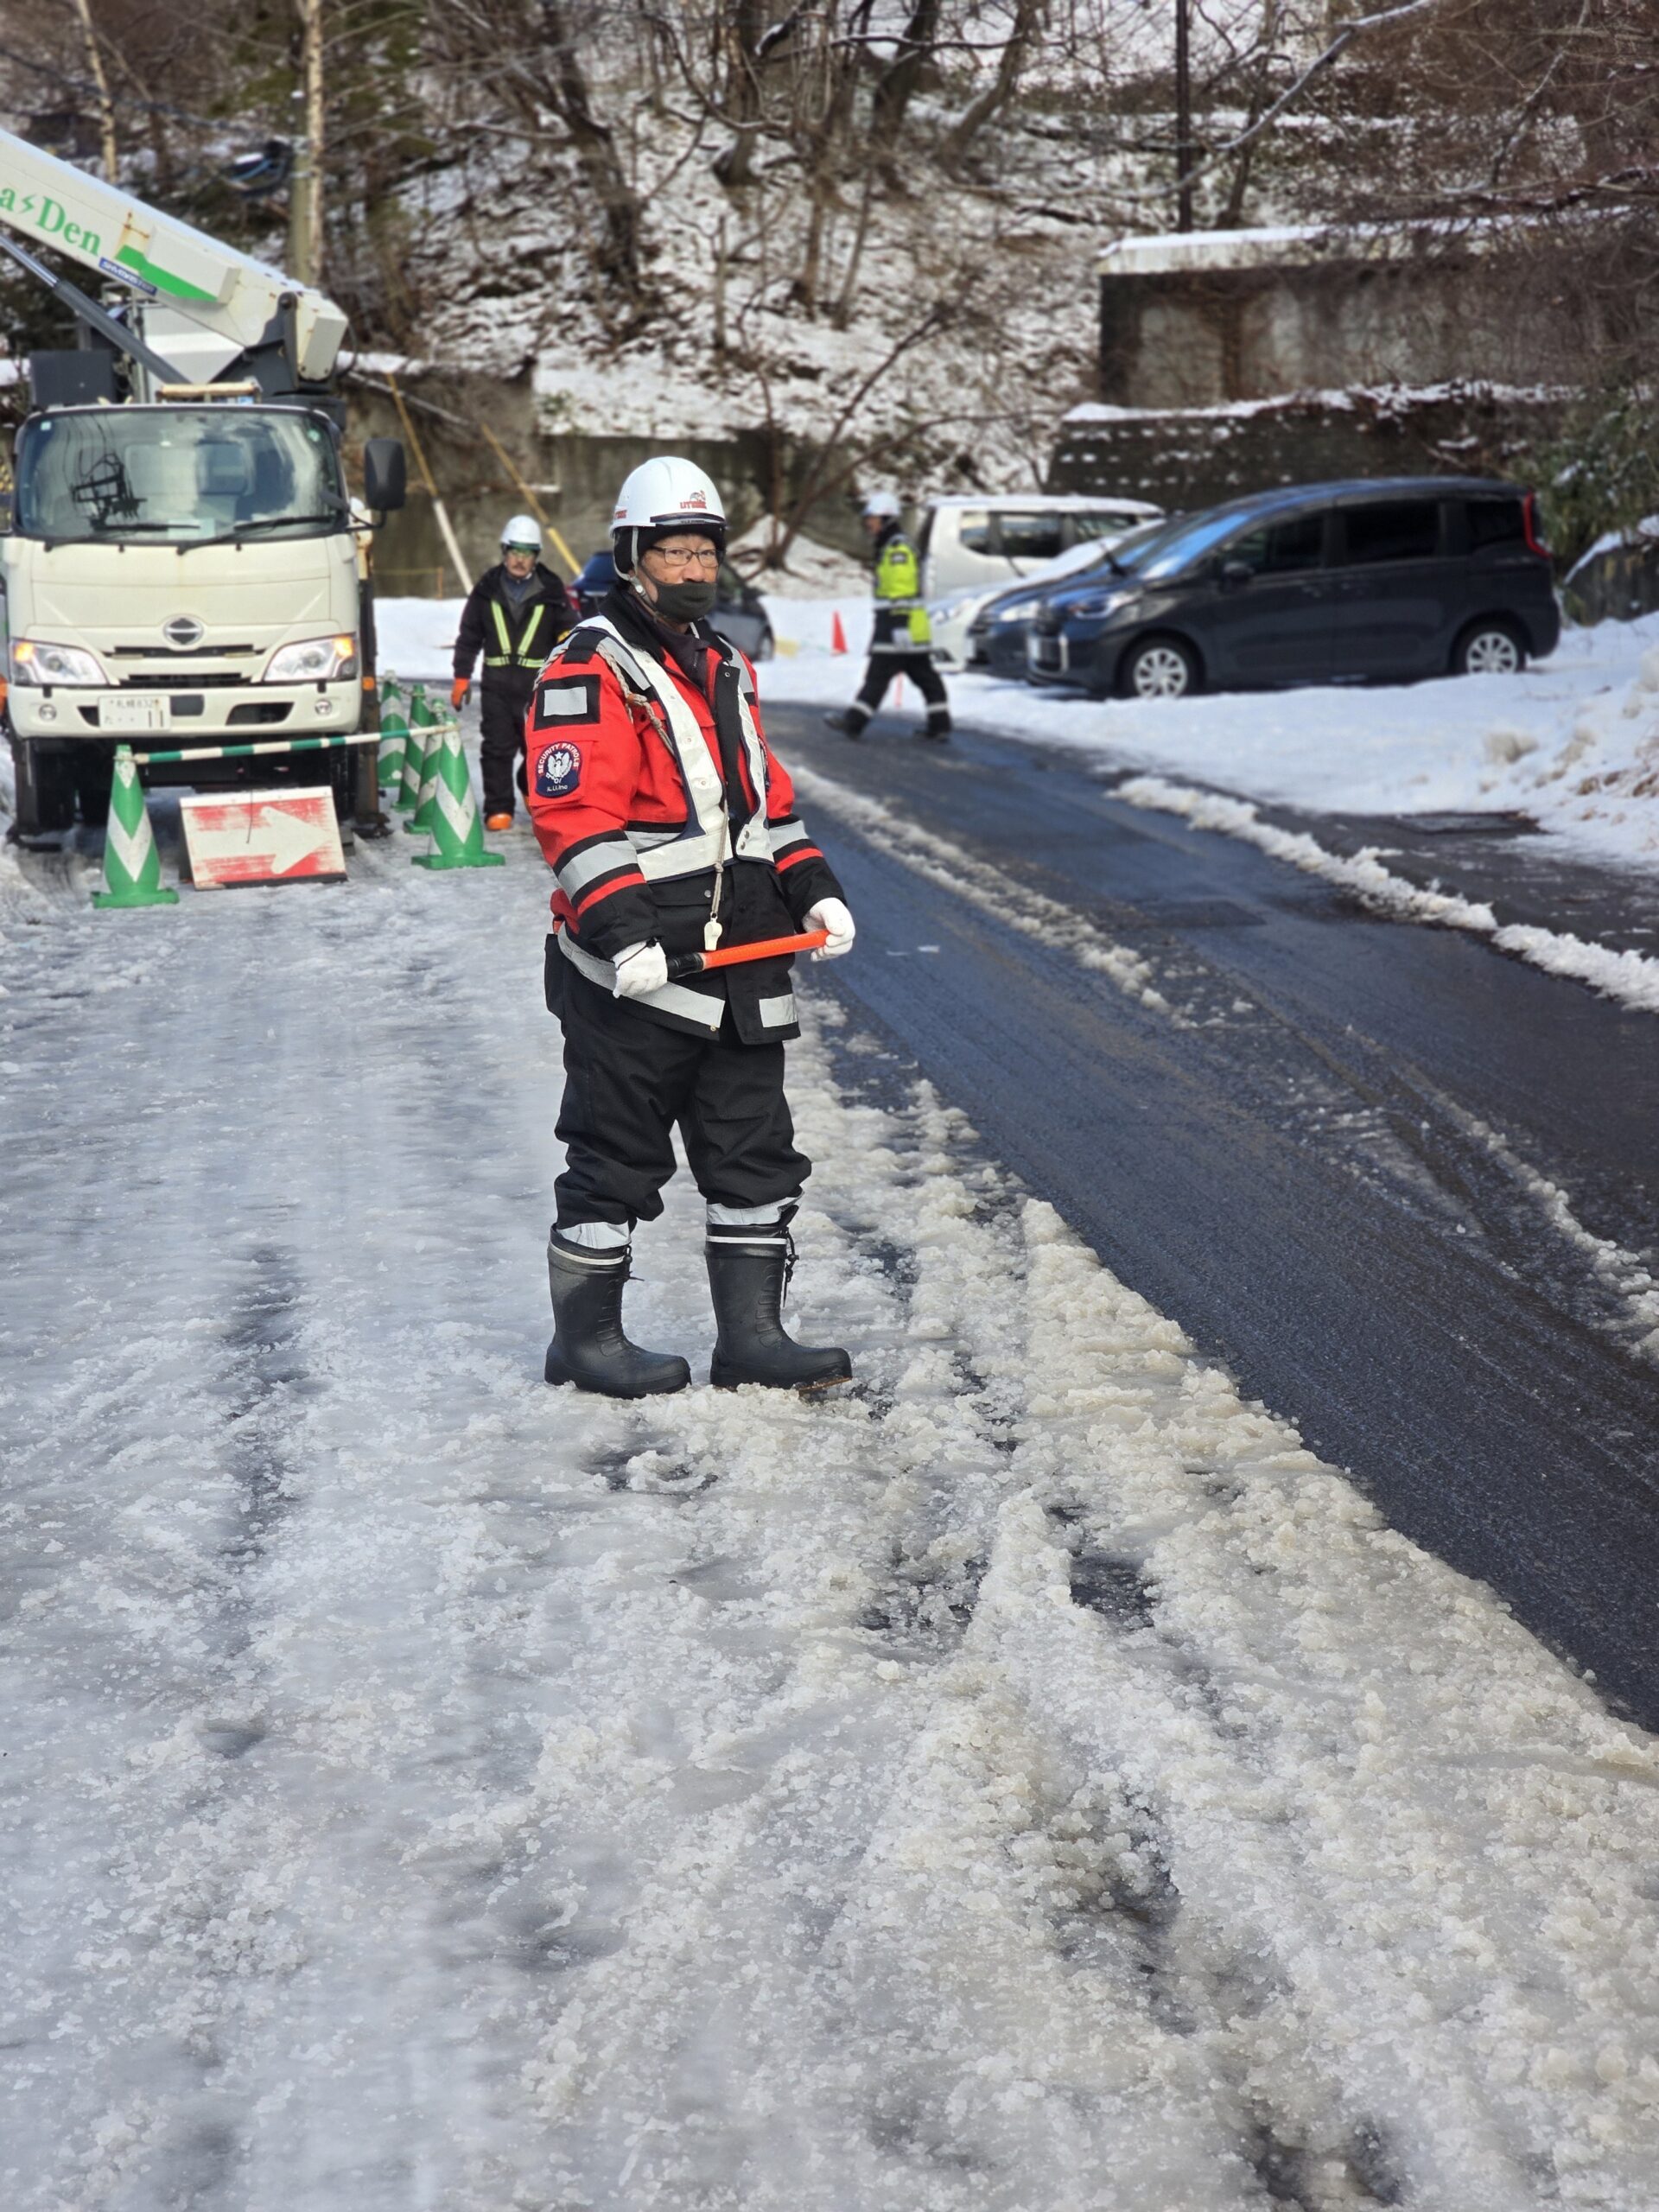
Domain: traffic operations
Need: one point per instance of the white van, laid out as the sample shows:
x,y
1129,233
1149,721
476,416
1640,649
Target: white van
x,y
980,543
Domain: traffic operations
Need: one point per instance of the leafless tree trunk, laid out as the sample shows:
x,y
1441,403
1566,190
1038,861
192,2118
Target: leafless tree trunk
x,y
94,53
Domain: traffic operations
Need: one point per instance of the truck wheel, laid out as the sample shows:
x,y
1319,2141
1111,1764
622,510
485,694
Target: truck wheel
x,y
46,791
1491,646
1160,668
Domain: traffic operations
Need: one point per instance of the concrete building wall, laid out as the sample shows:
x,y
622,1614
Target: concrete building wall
x,y
1251,315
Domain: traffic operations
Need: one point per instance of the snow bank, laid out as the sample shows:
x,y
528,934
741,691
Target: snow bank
x,y
1629,977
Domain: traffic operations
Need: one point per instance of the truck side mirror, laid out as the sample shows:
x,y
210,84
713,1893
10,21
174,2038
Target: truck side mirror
x,y
386,475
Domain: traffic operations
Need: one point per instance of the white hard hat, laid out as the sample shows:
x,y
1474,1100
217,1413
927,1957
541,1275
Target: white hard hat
x,y
881,505
664,493
523,533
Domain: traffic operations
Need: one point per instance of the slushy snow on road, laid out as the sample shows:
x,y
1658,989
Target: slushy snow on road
x,y
1030,1782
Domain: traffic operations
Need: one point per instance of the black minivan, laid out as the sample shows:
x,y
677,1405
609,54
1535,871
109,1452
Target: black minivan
x,y
1385,580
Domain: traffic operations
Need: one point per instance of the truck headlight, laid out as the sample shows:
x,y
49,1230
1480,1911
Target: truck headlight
x,y
34,662
315,660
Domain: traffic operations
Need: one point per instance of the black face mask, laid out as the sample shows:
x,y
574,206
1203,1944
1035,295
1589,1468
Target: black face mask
x,y
683,602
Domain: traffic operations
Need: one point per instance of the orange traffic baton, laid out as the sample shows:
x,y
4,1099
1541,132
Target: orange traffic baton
x,y
731,956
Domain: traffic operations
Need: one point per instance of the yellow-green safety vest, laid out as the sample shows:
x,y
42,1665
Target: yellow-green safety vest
x,y
898,587
519,656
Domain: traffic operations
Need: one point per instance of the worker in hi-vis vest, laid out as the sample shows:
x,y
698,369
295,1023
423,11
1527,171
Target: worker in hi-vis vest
x,y
901,643
514,615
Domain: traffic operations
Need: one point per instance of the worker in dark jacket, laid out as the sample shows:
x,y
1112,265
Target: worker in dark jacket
x,y
515,615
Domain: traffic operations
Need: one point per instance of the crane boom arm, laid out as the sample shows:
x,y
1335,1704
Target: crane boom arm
x,y
106,228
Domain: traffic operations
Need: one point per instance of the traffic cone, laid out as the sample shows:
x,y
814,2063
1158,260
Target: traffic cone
x,y
420,718
838,632
132,866
456,830
898,692
420,823
394,735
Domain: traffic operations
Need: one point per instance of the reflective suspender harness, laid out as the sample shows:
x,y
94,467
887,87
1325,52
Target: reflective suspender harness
x,y
519,656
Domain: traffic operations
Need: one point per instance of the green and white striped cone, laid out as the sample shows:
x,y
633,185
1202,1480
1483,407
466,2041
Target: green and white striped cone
x,y
394,743
132,866
420,720
456,830
421,821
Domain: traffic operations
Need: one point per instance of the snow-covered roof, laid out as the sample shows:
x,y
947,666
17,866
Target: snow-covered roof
x,y
1293,246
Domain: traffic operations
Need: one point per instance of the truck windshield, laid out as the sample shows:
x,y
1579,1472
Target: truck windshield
x,y
171,475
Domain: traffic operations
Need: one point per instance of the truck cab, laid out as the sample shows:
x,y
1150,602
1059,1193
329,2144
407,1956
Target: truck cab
x,y
181,569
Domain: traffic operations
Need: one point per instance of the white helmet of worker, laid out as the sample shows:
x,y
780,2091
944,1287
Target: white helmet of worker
x,y
664,493
882,506
521,534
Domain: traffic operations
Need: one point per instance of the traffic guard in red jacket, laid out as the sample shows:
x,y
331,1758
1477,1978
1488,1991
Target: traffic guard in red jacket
x,y
671,826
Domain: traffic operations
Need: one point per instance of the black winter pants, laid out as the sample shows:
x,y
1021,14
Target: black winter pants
x,y
501,718
628,1080
884,666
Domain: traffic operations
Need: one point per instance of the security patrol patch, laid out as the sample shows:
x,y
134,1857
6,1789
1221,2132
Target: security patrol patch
x,y
563,699
558,771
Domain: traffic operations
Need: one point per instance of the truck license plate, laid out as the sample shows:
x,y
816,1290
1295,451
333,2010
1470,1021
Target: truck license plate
x,y
138,712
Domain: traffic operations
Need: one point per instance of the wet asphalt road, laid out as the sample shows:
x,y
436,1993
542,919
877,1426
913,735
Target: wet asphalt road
x,y
1323,1160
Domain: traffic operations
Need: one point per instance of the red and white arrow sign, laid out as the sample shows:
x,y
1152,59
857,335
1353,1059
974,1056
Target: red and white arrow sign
x,y
262,837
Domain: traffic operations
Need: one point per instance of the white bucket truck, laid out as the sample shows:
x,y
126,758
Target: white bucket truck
x,y
182,568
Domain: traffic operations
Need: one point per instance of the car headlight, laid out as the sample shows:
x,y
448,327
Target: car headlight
x,y
1100,603
1009,614
315,660
34,662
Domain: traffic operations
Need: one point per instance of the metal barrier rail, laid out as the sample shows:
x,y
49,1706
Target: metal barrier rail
x,y
279,744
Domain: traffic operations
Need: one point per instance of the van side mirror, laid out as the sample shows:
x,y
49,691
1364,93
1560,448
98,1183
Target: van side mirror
x,y
1234,574
386,475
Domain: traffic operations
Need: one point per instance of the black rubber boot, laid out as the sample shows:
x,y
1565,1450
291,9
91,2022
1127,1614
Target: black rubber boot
x,y
849,721
748,1273
589,1346
938,723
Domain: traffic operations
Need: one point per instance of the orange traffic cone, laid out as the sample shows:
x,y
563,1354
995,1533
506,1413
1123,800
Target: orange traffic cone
x,y
837,634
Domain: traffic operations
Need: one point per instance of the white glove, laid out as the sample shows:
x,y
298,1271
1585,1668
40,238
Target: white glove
x,y
831,914
640,970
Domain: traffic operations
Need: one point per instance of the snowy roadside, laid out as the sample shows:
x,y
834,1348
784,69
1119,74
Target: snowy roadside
x,y
1032,1782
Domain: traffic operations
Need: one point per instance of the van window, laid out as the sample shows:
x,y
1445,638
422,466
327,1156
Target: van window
x,y
1494,522
1393,529
974,529
1101,522
1281,548
1029,536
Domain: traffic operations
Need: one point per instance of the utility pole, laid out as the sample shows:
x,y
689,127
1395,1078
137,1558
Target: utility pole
x,y
100,78
305,180
1183,116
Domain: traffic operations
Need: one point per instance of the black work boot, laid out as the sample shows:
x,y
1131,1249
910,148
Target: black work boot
x,y
748,1273
589,1346
939,723
849,721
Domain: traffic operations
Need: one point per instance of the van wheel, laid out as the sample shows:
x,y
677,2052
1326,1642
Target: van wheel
x,y
1160,668
1490,647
